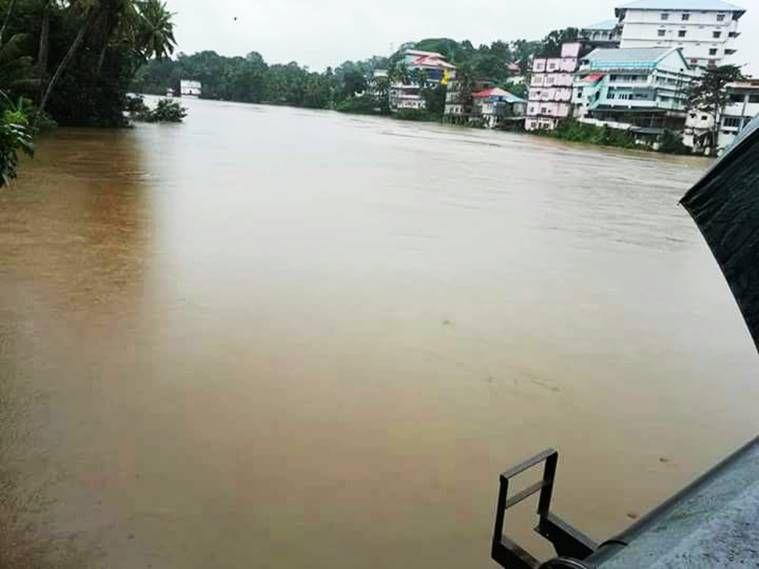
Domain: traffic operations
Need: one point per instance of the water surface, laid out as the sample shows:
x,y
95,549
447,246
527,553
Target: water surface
x,y
272,337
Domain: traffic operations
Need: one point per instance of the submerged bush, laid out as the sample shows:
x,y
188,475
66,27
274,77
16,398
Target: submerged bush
x,y
135,104
166,111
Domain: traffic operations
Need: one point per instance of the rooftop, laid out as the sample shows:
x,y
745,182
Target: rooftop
x,y
497,92
421,53
629,54
436,61
706,5
606,25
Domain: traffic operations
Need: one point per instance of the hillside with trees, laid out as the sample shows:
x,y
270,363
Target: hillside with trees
x,y
250,79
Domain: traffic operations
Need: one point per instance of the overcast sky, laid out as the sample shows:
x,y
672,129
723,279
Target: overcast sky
x,y
319,33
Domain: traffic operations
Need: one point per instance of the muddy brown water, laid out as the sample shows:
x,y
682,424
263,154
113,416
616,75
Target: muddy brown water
x,y
272,337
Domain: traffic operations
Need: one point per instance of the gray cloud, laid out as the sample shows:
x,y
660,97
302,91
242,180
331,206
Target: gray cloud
x,y
329,32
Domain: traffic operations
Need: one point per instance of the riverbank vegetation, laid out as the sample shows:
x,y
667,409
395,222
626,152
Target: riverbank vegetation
x,y
166,110
346,88
71,62
572,130
16,137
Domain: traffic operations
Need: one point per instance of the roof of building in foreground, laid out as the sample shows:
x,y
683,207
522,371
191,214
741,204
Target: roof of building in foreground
x,y
706,5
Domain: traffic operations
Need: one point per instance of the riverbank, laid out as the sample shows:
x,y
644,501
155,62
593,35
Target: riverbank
x,y
568,130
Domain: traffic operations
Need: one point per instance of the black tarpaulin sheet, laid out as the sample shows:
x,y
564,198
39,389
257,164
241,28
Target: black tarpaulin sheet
x,y
725,206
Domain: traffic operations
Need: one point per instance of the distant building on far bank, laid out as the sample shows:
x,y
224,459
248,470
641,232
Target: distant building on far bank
x,y
602,34
188,88
459,106
705,30
638,88
495,107
742,107
550,95
431,66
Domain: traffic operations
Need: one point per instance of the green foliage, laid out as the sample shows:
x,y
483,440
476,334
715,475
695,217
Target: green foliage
x,y
551,44
75,59
414,115
434,98
708,93
154,29
519,89
84,97
167,110
16,137
672,143
574,131
366,105
251,80
135,104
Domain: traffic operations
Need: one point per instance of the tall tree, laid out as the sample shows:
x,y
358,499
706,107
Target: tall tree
x,y
551,44
709,94
91,13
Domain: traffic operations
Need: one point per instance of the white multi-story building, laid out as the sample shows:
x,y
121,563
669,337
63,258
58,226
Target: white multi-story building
x,y
426,68
189,88
550,95
602,34
705,30
742,107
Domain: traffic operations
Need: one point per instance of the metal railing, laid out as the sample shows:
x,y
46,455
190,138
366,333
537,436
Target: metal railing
x,y
567,541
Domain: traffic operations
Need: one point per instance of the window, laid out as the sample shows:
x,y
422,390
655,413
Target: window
x,y
736,98
716,35
753,99
664,16
610,95
662,33
681,33
732,122
704,117
713,51
685,17
720,17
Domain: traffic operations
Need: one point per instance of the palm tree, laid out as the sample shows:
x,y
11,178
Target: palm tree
x,y
155,30
144,25
91,11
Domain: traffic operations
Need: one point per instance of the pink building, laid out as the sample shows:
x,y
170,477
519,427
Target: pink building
x,y
550,92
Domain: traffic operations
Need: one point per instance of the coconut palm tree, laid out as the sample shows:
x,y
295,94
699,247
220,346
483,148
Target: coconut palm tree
x,y
154,29
143,25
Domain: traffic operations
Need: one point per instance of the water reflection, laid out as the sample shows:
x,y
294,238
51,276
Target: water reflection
x,y
289,338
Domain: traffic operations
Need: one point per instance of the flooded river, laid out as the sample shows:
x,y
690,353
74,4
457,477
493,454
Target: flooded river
x,y
272,337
